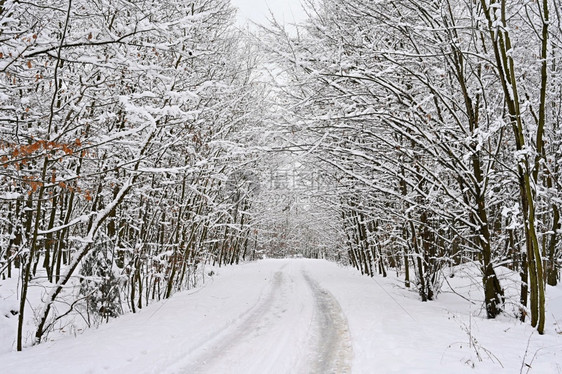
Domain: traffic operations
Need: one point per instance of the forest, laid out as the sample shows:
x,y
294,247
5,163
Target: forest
x,y
142,140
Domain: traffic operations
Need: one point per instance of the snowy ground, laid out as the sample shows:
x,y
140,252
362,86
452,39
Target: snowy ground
x,y
304,316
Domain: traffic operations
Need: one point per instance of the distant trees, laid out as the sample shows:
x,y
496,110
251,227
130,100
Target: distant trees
x,y
433,115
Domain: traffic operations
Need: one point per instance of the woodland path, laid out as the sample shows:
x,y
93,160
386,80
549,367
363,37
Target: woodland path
x,y
292,311
267,317
296,316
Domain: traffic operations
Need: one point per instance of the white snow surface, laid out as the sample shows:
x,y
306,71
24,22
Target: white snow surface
x,y
304,316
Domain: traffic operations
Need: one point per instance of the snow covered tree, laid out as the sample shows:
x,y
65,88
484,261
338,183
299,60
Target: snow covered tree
x,y
119,120
405,100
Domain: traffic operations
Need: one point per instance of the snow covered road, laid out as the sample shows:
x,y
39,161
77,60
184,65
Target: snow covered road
x,y
273,317
293,312
333,346
295,316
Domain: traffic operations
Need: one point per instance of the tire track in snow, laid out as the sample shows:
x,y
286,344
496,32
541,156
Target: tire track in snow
x,y
333,351
205,357
295,326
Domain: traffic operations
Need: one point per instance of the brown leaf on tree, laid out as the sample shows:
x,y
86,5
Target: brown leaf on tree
x,y
35,185
66,149
35,147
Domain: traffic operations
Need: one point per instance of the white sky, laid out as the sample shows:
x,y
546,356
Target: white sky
x,y
285,11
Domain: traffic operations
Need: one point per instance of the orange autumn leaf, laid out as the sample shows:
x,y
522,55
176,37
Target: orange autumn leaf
x,y
35,185
66,149
35,146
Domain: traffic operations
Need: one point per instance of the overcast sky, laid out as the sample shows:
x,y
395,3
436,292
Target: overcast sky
x,y
285,11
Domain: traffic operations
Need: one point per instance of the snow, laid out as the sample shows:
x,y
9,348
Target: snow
x,y
10,195
260,11
305,316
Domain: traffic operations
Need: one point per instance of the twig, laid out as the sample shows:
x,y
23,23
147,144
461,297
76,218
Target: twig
x,y
525,355
455,292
